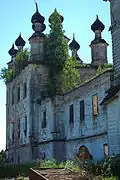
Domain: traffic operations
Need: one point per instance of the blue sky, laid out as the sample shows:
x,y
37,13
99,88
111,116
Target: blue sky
x,y
78,17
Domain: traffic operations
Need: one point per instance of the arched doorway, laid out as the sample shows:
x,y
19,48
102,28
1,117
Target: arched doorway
x,y
84,153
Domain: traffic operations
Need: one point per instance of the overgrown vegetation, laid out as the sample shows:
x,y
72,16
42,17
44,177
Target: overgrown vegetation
x,y
21,60
56,45
7,75
61,65
70,77
2,157
107,169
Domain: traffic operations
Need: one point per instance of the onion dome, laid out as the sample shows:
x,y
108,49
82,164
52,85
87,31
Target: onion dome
x,y
74,44
20,41
97,25
42,27
55,11
13,51
37,17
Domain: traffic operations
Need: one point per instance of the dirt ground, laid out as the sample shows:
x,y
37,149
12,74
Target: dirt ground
x,y
61,174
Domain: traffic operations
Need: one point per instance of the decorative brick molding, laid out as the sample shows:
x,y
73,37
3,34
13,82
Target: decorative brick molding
x,y
34,175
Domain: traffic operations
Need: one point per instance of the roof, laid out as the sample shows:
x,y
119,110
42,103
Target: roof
x,y
37,17
55,11
111,94
13,51
20,41
37,34
98,40
74,44
89,80
97,25
10,62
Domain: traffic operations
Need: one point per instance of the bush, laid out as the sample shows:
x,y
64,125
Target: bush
x,y
15,170
49,164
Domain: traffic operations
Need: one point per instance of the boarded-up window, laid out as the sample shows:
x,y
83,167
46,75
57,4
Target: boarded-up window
x,y
71,114
82,111
44,119
95,106
105,150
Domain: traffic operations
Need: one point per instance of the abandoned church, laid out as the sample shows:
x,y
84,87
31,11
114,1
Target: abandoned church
x,y
85,118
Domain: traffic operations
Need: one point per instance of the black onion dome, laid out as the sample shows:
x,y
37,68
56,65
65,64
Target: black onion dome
x,y
43,27
97,25
20,41
37,17
74,44
13,51
55,11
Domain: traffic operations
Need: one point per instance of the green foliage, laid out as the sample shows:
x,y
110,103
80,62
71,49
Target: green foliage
x,y
108,65
55,45
99,70
49,164
96,170
6,75
21,60
72,165
70,77
15,170
2,157
56,53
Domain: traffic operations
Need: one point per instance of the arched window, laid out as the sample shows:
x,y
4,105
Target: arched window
x,y
84,153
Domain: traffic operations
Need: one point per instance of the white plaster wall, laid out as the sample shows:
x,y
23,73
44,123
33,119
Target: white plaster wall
x,y
90,127
113,109
95,129
47,149
44,134
94,145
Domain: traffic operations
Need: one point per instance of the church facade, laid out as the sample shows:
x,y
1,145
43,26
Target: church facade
x,y
83,119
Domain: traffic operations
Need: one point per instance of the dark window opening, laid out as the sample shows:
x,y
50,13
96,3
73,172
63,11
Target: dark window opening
x,y
18,129
25,90
82,112
18,94
13,135
105,150
95,106
12,96
25,130
44,120
71,114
